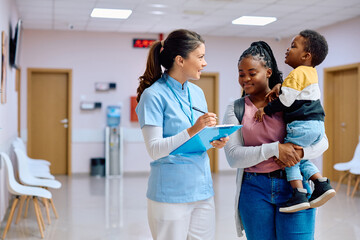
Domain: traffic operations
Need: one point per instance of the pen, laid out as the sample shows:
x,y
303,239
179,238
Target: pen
x,y
199,110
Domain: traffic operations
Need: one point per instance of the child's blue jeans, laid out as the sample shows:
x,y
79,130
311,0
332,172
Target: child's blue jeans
x,y
303,133
259,203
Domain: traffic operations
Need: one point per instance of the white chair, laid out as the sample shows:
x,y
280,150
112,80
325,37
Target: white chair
x,y
27,178
20,144
346,166
355,171
21,191
39,168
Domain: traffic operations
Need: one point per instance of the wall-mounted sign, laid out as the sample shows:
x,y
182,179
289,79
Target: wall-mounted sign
x,y
142,43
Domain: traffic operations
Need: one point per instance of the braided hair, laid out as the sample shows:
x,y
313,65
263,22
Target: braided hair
x,y
179,42
262,51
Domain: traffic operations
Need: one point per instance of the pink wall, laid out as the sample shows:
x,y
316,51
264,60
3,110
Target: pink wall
x,y
109,57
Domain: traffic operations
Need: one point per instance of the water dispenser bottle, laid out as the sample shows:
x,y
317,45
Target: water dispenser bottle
x,y
113,116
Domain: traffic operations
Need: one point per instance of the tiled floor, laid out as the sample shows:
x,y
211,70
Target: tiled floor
x,y
96,208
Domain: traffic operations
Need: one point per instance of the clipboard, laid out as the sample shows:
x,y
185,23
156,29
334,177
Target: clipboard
x,y
200,142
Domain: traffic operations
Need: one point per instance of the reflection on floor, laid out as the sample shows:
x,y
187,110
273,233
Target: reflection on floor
x,y
97,208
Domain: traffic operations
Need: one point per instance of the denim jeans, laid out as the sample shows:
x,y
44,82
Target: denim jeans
x,y
259,204
303,133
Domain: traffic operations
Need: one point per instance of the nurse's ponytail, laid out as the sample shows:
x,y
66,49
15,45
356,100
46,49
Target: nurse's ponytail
x,y
153,69
179,42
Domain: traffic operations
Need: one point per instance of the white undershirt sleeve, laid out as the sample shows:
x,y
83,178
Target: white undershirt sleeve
x,y
316,150
158,146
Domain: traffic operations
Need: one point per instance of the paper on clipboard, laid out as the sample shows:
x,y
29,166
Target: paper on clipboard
x,y
200,142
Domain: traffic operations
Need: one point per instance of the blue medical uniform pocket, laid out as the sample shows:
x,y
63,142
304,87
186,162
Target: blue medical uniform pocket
x,y
180,179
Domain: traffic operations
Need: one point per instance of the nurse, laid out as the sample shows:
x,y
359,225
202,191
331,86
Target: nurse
x,y
180,192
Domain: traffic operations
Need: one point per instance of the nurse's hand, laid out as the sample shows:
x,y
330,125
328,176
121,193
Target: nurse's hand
x,y
220,143
206,120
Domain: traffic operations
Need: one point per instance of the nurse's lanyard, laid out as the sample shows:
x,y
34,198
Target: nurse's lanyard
x,y
191,118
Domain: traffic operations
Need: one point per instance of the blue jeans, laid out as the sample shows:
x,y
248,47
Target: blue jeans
x,y
303,133
259,204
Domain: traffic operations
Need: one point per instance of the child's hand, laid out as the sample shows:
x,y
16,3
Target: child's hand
x,y
259,115
274,93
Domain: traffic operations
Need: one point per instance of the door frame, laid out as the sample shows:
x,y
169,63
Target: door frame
x,y
328,158
214,75
30,71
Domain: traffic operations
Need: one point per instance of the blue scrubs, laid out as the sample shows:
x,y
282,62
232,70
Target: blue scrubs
x,y
175,178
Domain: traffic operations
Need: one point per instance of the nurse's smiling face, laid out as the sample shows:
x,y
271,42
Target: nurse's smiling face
x,y
194,63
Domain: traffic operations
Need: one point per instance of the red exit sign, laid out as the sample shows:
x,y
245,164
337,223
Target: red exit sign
x,y
142,43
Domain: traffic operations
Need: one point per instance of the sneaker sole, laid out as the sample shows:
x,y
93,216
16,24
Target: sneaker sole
x,y
323,199
295,208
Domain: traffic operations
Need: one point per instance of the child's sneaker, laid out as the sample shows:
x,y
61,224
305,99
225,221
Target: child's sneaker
x,y
323,192
297,202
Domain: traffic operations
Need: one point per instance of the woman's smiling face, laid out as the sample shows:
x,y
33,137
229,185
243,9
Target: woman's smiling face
x,y
253,75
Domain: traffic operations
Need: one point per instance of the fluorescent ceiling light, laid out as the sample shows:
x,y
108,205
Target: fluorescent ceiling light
x,y
110,13
252,20
157,12
158,5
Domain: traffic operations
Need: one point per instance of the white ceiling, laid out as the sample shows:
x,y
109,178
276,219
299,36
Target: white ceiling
x,y
207,17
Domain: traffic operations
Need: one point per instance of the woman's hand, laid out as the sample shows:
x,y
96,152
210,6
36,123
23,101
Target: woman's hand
x,y
220,143
206,120
274,93
288,154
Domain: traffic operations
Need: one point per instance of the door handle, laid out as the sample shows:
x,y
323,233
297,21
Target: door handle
x,y
65,120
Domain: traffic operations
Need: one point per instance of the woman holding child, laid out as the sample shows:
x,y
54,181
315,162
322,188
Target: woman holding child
x,y
259,154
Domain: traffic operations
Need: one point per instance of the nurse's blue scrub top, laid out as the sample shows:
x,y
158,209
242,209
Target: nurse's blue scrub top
x,y
175,178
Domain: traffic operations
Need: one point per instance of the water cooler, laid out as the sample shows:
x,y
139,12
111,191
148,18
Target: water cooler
x,y
113,143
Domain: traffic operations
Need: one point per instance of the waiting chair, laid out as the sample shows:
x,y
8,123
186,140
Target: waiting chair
x,y
22,191
20,144
39,168
26,177
346,166
355,171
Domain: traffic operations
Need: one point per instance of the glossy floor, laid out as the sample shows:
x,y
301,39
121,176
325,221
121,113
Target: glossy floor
x,y
93,208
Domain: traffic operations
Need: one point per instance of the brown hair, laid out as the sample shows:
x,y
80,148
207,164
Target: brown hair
x,y
179,42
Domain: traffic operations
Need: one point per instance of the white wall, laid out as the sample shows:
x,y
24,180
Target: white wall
x,y
8,111
109,57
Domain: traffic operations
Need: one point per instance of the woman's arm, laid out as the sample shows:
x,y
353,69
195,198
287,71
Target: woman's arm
x,y
239,156
159,147
316,150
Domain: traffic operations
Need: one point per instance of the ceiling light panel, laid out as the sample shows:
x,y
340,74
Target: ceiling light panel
x,y
110,13
254,20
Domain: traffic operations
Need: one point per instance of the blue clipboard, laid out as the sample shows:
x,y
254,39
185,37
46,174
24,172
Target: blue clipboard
x,y
200,142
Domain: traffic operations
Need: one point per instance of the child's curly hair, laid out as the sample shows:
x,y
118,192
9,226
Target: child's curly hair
x,y
315,44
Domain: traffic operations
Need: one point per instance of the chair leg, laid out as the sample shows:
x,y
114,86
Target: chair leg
x,y
10,217
53,208
37,210
22,200
356,185
46,203
26,207
40,214
343,175
348,186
